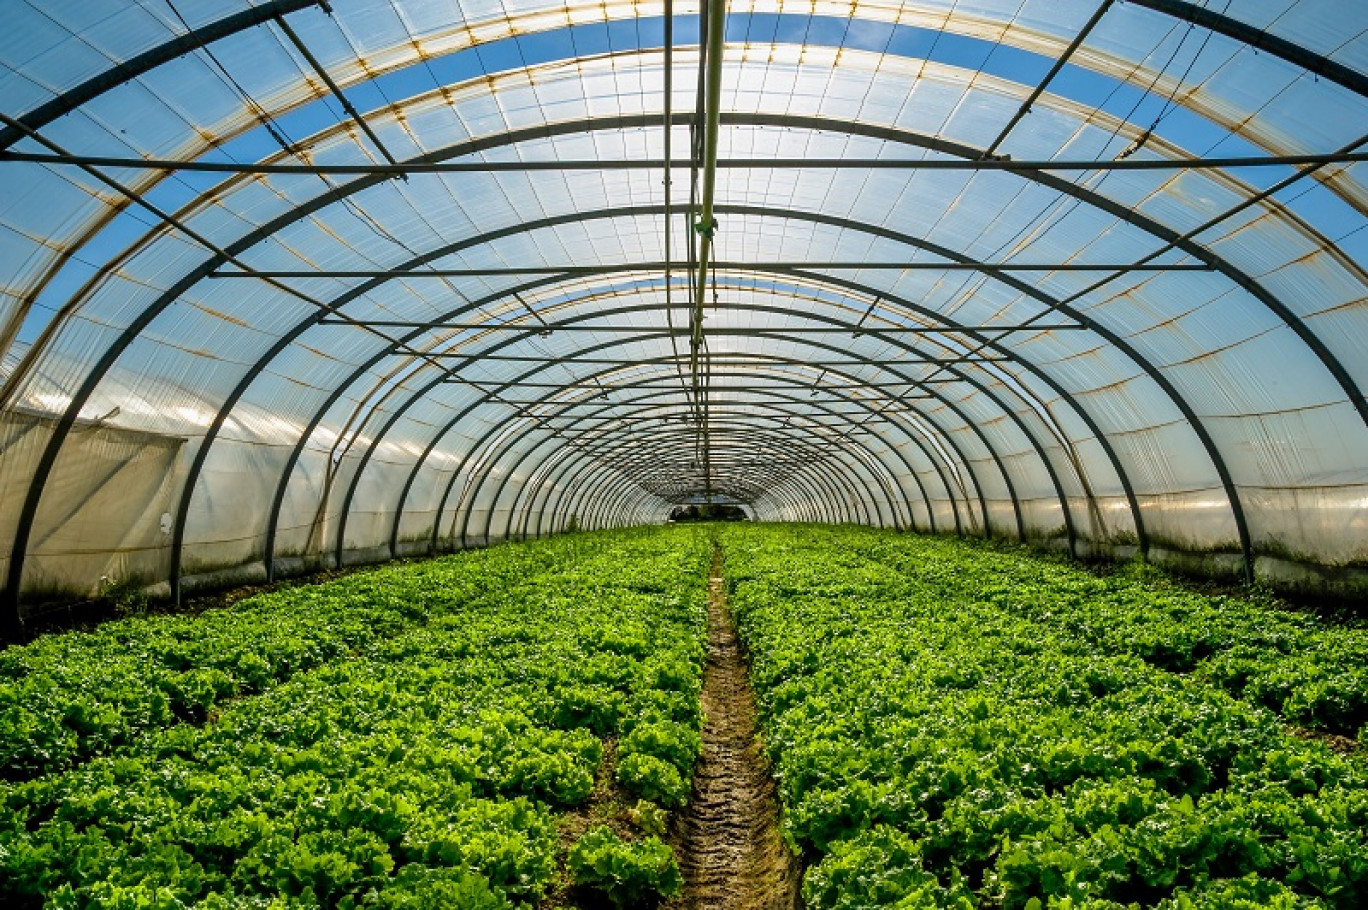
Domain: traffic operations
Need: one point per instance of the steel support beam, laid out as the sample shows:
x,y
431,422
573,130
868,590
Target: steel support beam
x,y
832,481
646,400
1261,39
390,172
945,434
1044,83
336,90
658,265
435,439
129,70
911,471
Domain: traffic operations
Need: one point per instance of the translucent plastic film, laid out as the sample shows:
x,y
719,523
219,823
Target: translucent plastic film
x,y
428,289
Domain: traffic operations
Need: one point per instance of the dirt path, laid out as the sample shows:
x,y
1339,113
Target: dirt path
x,y
730,850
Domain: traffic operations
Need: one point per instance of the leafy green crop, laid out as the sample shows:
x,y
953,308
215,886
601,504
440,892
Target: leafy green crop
x,y
399,738
962,724
628,873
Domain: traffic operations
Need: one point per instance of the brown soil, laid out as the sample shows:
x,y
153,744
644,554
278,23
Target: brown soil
x,y
728,840
1342,744
608,804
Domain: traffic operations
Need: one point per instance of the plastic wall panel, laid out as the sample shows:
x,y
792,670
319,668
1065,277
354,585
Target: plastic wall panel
x,y
105,515
303,528
937,501
1313,525
1197,520
232,501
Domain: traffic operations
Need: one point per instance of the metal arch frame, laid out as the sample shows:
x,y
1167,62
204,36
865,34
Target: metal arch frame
x,y
268,10
885,133
582,485
275,10
566,406
987,445
543,487
821,499
1064,507
616,511
583,469
552,476
1223,473
1012,415
551,482
1025,288
1260,40
150,59
882,475
598,516
598,448
1102,439
794,492
791,489
73,98
835,483
1064,394
779,391
1177,8
764,483
878,365
285,340
112,353
298,212
946,434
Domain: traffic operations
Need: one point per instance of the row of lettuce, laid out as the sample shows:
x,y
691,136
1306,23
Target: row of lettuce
x,y
962,725
427,735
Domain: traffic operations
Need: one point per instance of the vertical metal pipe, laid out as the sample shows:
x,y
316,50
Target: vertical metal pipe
x,y
707,222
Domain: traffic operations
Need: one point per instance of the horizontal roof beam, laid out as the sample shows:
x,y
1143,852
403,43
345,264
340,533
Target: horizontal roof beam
x,y
598,400
1261,39
475,271
558,361
623,361
334,88
593,164
718,356
552,327
665,384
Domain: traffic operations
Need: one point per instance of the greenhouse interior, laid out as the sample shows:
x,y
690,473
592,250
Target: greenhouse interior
x,y
467,453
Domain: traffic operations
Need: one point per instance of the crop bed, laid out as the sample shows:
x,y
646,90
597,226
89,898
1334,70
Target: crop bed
x,y
955,724
949,723
424,735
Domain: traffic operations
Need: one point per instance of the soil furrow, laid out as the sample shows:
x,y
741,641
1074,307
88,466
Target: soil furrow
x,y
731,852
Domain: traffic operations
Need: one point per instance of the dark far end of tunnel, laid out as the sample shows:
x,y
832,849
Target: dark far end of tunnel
x,y
704,507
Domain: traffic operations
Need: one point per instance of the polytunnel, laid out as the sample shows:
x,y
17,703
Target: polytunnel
x,y
291,284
